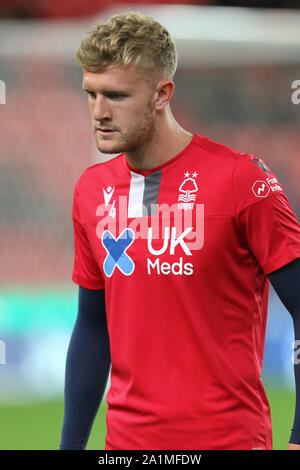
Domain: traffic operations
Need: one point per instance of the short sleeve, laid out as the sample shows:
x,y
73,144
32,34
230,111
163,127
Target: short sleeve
x,y
86,272
265,218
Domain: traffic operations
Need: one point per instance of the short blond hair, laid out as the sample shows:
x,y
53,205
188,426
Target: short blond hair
x,y
129,38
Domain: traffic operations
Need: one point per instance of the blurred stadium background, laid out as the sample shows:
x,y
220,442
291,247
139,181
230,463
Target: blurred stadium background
x,y
233,85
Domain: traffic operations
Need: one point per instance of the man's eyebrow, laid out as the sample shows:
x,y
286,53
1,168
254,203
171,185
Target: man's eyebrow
x,y
108,92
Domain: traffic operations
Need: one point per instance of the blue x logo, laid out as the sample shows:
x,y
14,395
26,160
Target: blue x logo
x,y
116,255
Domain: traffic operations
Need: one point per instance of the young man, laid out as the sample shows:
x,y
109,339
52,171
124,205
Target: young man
x,y
174,240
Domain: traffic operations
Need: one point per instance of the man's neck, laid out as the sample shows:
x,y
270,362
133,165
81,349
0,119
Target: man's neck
x,y
169,140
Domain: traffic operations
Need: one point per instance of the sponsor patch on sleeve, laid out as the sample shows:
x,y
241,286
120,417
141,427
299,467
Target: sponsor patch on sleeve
x,y
262,188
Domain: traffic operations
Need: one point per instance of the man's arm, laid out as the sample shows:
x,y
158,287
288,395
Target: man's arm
x,y
87,369
286,282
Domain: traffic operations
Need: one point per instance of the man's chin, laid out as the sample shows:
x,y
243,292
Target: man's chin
x,y
108,146
108,149
107,152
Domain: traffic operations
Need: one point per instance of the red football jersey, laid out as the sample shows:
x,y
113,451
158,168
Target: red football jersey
x,y
183,251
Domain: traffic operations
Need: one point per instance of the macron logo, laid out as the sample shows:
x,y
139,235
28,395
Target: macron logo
x,y
108,194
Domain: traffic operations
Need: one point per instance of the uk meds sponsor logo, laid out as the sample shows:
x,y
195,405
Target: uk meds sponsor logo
x,y
170,242
173,244
165,241
116,252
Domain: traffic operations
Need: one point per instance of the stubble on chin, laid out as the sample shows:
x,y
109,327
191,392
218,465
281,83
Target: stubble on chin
x,y
136,138
128,142
110,147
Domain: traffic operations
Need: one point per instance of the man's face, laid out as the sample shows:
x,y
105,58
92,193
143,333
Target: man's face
x,y
122,108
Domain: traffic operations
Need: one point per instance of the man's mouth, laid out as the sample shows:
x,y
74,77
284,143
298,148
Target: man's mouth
x,y
105,131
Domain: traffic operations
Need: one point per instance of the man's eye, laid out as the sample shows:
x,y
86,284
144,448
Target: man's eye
x,y
115,96
91,94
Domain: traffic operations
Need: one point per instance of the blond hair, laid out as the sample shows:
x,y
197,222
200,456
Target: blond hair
x,y
129,38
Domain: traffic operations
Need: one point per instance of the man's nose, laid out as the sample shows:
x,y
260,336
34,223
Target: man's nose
x,y
101,109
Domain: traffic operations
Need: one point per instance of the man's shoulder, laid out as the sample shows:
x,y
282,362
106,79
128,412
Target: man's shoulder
x,y
218,150
229,161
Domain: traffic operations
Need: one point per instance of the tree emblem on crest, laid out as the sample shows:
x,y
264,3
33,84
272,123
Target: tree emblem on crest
x,y
187,188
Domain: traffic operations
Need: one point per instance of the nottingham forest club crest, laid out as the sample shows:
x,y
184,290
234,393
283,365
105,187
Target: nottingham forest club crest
x,y
187,191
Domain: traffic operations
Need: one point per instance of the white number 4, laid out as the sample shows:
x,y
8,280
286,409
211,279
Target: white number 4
x,y
112,212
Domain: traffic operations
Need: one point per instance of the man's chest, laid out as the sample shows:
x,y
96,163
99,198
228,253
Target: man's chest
x,y
164,224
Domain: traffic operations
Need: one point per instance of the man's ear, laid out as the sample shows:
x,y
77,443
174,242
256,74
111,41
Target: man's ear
x,y
164,92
